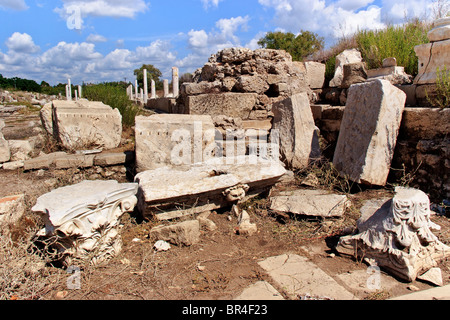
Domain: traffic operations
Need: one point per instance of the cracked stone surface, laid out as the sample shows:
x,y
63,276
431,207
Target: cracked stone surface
x,y
300,277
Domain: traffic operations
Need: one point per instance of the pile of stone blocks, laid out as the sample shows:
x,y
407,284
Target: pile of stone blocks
x,y
80,125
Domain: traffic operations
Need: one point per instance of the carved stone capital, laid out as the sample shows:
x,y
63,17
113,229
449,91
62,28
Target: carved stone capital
x,y
398,236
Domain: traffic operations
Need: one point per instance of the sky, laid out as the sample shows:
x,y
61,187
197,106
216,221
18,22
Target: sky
x,y
96,41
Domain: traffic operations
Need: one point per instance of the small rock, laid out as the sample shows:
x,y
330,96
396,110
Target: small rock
x,y
60,295
412,288
201,268
434,276
245,227
161,245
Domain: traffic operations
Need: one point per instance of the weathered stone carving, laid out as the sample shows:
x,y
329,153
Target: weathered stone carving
x,y
81,124
169,193
82,221
398,236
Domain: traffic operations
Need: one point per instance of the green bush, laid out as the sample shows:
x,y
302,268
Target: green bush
x,y
377,45
114,96
393,41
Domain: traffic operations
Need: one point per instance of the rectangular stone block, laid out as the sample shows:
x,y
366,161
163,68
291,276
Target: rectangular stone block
x,y
369,132
173,140
84,124
74,161
235,105
299,142
110,159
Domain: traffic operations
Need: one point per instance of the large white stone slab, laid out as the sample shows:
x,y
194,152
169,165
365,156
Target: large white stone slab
x,y
300,277
319,203
369,132
170,192
80,125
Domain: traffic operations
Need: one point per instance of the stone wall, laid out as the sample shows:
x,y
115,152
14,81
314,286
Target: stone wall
x,y
245,83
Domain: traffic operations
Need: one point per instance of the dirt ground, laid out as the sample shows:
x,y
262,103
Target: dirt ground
x,y
219,267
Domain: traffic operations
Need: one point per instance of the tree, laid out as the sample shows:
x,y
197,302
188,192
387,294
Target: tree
x,y
300,46
153,73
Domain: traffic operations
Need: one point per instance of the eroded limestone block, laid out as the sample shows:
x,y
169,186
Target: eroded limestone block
x,y
294,122
319,203
441,30
431,56
230,104
398,236
173,140
171,193
12,209
185,233
346,57
369,132
82,221
82,124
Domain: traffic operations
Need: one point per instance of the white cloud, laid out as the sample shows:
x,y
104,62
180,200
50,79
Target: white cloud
x,y
331,20
93,38
103,8
202,44
210,3
351,5
13,4
396,11
80,61
21,43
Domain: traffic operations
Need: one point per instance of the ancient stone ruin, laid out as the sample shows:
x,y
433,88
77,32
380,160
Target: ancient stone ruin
x,y
249,121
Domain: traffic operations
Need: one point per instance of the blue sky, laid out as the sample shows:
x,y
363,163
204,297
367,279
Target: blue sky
x,y
105,40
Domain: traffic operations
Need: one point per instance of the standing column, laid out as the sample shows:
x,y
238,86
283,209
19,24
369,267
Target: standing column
x,y
145,86
70,90
67,93
175,82
136,89
153,89
142,95
166,88
76,95
79,91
